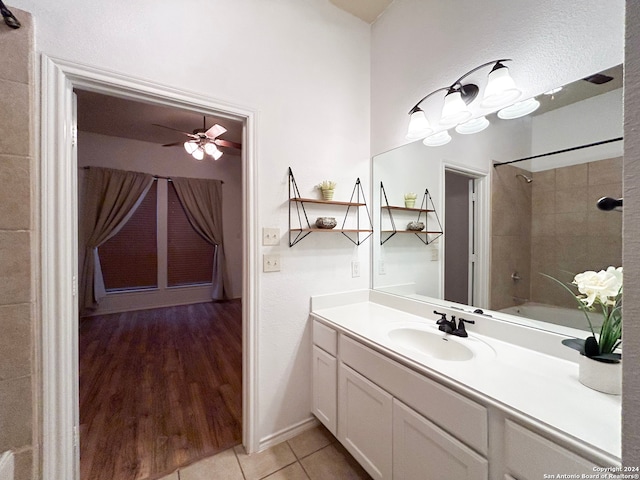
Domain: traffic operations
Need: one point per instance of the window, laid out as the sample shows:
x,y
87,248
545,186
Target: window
x,y
129,259
189,256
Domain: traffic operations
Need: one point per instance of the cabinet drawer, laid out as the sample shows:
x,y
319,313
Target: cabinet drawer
x,y
529,456
463,418
326,338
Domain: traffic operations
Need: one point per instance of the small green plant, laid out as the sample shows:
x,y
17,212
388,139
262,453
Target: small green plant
x,y
598,291
326,185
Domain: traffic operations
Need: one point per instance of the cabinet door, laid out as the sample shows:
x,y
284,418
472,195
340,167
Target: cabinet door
x,y
325,385
423,450
365,425
530,456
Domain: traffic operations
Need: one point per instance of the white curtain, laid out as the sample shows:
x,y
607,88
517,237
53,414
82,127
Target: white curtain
x,y
202,202
110,198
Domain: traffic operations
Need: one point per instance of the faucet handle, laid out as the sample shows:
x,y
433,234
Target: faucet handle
x,y
461,331
443,318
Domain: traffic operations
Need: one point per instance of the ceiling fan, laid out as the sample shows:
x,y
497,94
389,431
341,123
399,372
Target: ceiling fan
x,y
203,140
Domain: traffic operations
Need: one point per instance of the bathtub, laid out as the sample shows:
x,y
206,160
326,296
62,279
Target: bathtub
x,y
568,317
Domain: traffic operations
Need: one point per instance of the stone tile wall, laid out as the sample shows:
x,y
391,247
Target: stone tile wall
x,y
17,321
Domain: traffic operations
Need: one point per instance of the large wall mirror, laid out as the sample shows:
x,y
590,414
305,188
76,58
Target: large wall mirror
x,y
507,222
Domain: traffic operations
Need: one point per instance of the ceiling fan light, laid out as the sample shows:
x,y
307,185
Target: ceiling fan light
x,y
437,139
418,125
454,110
519,109
217,154
210,148
198,153
473,126
190,147
500,89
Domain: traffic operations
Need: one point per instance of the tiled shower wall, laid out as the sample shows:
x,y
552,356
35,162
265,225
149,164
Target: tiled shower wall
x,y
551,226
510,236
569,233
17,322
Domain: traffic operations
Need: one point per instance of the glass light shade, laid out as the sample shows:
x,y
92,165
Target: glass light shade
x,y
437,139
198,154
217,154
454,110
519,109
473,126
500,89
210,148
190,147
418,126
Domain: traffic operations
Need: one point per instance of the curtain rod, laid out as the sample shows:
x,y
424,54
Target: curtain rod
x,y
155,177
497,164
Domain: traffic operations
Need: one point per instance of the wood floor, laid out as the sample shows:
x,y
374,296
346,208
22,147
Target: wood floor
x,y
159,389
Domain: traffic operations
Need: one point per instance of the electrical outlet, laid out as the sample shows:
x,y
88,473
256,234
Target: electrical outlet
x,y
270,236
271,263
355,268
381,268
434,255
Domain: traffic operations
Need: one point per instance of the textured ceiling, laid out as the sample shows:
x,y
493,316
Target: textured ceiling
x,y
367,10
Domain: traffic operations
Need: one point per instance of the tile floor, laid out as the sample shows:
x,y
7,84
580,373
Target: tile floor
x,y
312,455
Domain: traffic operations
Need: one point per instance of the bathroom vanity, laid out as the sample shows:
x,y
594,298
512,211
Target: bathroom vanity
x,y
410,402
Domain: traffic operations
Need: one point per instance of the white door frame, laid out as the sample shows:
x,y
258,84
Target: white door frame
x,y
483,197
58,305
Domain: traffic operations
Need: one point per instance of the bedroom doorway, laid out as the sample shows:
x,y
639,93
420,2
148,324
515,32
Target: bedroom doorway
x,y
160,363
59,238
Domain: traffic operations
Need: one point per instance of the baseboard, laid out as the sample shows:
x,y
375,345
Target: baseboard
x,y
6,466
287,433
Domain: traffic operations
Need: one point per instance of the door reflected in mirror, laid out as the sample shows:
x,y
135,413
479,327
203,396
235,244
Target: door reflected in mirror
x,y
537,179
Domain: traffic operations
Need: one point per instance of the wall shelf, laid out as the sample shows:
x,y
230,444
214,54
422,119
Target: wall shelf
x,y
304,227
426,208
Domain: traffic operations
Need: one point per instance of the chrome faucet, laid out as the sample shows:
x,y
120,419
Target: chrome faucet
x,y
449,326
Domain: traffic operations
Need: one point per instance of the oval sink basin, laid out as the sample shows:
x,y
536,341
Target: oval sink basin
x,y
434,344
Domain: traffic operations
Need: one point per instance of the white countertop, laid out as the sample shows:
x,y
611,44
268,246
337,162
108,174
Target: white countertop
x,y
536,385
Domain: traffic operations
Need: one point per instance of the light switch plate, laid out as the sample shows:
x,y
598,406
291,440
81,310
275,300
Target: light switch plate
x,y
434,254
271,263
270,236
355,268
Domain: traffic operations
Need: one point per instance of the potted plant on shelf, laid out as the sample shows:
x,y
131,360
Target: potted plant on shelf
x,y
410,199
327,188
599,361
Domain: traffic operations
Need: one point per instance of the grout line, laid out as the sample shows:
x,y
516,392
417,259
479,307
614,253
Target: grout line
x,y
239,464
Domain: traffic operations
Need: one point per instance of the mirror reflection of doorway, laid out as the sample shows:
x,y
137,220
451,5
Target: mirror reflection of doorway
x,y
460,237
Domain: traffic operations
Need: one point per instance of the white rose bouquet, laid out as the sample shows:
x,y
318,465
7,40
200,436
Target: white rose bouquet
x,y
599,291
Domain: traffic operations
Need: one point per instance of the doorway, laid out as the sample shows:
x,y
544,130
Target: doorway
x,y
59,259
160,364
461,247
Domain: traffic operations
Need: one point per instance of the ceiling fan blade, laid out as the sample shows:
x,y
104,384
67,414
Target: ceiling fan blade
x,y
215,131
172,144
227,143
170,128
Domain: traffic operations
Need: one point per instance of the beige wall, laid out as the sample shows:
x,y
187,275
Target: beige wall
x,y
17,325
631,242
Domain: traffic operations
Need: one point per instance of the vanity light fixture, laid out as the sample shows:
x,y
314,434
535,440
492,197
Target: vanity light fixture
x,y
519,109
500,90
473,126
437,139
553,91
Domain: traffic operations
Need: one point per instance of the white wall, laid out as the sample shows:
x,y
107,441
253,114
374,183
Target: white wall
x,y
419,46
132,155
303,66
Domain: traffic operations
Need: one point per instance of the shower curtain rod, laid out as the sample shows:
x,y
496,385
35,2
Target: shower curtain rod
x,y
155,177
497,164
